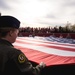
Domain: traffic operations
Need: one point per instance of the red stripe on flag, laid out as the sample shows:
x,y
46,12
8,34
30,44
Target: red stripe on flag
x,y
49,59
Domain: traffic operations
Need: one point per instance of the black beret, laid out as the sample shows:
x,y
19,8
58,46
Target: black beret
x,y
9,21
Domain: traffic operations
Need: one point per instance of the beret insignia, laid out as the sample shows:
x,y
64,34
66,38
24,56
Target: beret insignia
x,y
21,58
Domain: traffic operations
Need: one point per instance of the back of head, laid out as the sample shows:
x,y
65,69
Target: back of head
x,y
7,23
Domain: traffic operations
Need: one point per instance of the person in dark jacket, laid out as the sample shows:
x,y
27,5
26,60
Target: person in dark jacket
x,y
12,60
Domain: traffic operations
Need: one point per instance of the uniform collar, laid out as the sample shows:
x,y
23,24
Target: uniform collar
x,y
5,42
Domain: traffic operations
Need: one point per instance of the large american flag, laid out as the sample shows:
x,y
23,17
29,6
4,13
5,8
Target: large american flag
x,y
47,50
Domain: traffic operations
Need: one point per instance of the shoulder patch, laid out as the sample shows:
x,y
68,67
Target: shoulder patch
x,y
21,58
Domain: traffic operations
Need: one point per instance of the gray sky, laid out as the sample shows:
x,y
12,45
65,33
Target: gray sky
x,y
40,13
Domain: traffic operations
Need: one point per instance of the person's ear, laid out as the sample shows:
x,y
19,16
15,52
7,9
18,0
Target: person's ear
x,y
11,33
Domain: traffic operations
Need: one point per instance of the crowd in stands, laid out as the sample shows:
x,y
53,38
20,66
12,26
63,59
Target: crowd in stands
x,y
38,31
45,30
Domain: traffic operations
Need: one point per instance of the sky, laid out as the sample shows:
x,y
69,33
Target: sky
x,y
40,13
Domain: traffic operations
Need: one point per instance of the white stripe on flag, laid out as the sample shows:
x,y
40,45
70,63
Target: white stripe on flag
x,y
45,49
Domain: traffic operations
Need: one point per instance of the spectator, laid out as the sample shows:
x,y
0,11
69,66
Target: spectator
x,y
68,36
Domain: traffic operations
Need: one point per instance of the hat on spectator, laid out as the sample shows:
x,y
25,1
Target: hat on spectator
x,y
9,21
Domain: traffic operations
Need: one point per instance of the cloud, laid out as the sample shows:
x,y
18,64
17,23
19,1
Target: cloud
x,y
45,12
6,4
51,16
70,3
3,4
60,12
